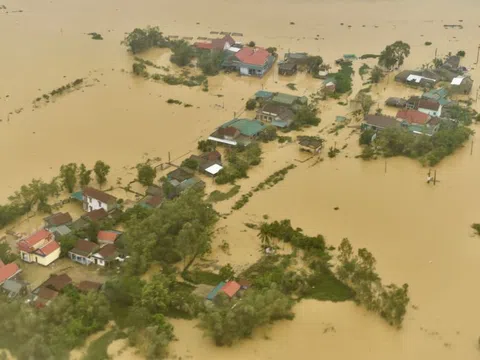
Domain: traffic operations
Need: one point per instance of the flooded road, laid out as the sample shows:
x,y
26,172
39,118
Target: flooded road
x,y
419,234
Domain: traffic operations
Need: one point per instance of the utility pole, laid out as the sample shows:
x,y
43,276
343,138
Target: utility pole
x,y
385,166
169,158
471,148
436,52
435,177
478,53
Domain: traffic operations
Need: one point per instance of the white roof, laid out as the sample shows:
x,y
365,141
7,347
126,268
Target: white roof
x,y
417,78
457,81
234,49
223,141
214,169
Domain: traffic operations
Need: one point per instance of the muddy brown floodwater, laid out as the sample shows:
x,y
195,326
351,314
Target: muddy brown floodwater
x,y
419,234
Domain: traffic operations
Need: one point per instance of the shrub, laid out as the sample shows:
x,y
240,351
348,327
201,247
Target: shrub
x,y
251,104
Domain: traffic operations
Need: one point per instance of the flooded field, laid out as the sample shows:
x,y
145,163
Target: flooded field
x,y
419,234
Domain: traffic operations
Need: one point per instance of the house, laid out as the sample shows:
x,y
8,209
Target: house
x,y
237,131
300,58
95,215
108,236
106,255
152,202
58,219
413,116
429,107
310,143
216,44
452,62
13,288
94,199
461,85
439,95
396,102
57,282
278,115
380,122
250,61
244,284
292,101
322,74
8,271
83,251
44,297
39,247
61,230
287,68
212,294
86,286
418,78
180,175
231,288
329,85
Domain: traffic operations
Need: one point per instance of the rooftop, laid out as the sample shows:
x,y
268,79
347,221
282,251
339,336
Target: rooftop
x,y
313,142
263,94
89,286
381,121
48,248
84,247
28,243
99,195
211,295
413,116
180,174
287,99
107,251
96,215
108,236
58,282
58,219
428,104
8,271
253,56
47,294
245,126
231,288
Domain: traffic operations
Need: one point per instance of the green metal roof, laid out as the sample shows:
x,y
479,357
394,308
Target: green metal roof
x,y
245,126
211,295
287,99
439,95
263,94
77,195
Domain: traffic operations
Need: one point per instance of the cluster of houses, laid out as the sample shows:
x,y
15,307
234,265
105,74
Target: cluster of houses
x,y
247,60
449,72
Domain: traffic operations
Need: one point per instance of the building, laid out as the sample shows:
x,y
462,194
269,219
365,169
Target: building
x,y
287,68
413,116
380,122
94,199
39,247
83,251
44,296
278,115
429,107
439,95
180,175
53,221
310,143
108,236
216,44
237,131
8,271
396,102
250,61
57,282
300,58
452,62
95,215
106,255
461,85
231,288
13,288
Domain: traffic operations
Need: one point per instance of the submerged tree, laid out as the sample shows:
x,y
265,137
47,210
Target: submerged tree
x,y
143,39
146,174
85,176
182,53
376,75
394,55
68,176
210,62
101,171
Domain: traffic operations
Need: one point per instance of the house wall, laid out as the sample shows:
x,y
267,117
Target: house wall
x,y
26,257
47,260
90,204
84,260
431,112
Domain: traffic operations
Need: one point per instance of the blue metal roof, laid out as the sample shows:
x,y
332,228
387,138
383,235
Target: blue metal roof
x,y
211,295
263,94
77,195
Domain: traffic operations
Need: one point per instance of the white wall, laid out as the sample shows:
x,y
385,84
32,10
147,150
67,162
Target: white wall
x,y
47,260
432,112
94,204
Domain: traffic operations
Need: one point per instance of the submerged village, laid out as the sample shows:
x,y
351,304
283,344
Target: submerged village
x,y
124,266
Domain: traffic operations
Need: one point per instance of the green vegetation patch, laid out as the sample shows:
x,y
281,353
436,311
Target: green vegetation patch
x,y
202,277
97,350
217,196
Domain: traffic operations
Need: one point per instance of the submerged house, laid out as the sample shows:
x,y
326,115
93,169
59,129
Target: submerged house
x,y
39,247
182,179
209,163
83,251
237,132
418,122
380,122
56,220
287,68
94,199
461,85
230,288
310,143
249,61
216,44
439,95
278,115
396,102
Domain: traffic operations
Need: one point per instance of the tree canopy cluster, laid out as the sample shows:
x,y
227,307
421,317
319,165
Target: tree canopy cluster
x,y
430,150
210,62
359,272
394,55
343,78
182,53
306,115
240,159
140,40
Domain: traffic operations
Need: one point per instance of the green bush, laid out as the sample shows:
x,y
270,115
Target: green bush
x,y
251,104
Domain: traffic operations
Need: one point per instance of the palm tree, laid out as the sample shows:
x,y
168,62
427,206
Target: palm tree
x,y
264,235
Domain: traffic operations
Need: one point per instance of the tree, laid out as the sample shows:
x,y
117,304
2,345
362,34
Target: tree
x,y
6,255
376,75
101,171
68,176
139,69
268,134
251,44
210,62
67,243
227,324
92,230
366,137
36,193
182,53
85,176
206,145
190,164
251,104
314,63
365,101
227,272
272,50
461,53
394,55
306,115
146,174
143,39
437,63
265,235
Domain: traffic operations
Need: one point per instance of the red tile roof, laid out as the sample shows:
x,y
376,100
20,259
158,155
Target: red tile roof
x,y
253,56
231,288
203,45
48,249
219,44
107,236
7,271
413,116
99,195
28,243
1,263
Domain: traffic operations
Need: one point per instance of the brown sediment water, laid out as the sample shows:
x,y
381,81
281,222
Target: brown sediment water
x,y
419,234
